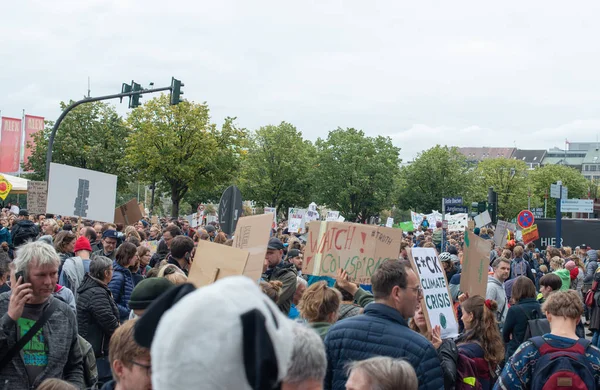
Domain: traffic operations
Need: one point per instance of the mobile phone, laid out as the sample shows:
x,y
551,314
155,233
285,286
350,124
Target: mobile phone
x,y
22,275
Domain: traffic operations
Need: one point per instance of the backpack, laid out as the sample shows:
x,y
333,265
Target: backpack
x,y
562,368
536,326
90,371
466,374
520,271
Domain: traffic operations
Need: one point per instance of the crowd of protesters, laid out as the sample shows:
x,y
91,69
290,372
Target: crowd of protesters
x,y
88,305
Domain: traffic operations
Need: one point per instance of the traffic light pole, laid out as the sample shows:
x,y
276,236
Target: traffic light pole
x,y
88,100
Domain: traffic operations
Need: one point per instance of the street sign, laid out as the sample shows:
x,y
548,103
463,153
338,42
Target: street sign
x,y
577,205
538,212
457,209
555,191
525,219
453,201
445,224
230,209
565,193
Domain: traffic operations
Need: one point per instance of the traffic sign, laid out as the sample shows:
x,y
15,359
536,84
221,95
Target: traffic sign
x,y
453,201
456,209
525,219
557,193
577,205
564,193
538,212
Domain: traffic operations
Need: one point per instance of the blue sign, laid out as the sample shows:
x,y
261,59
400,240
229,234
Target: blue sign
x,y
453,201
457,209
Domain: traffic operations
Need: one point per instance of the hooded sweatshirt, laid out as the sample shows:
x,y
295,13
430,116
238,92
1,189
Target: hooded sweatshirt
x,y
565,277
495,291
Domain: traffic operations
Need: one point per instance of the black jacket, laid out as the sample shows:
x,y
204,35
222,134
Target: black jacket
x,y
97,314
22,231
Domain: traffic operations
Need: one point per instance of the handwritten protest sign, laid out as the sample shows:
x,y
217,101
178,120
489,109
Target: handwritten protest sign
x,y
476,260
272,210
483,219
152,245
332,216
530,234
501,233
437,304
296,216
294,225
37,195
129,213
216,261
252,234
358,249
390,222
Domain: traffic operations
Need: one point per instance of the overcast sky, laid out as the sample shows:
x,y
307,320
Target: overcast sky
x,y
467,73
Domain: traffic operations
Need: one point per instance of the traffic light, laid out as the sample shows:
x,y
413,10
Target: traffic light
x,y
134,100
493,204
126,88
481,206
176,91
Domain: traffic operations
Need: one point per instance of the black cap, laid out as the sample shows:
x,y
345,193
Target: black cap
x,y
275,243
110,234
293,253
147,291
23,213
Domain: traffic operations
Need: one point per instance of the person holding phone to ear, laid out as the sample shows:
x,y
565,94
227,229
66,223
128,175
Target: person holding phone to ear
x,y
38,332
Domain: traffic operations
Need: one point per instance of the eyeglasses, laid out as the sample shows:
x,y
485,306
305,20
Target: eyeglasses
x,y
147,367
418,290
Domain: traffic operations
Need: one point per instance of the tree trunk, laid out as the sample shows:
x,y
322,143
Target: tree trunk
x,y
175,198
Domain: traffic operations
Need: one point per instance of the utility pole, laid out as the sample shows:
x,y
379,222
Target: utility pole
x,y
133,91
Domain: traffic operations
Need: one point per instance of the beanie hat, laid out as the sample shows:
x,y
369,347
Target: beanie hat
x,y
147,291
82,244
476,231
570,265
245,338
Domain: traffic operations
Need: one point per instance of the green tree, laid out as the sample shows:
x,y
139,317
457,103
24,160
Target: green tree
x,y
542,177
509,179
439,172
276,169
179,148
354,173
91,136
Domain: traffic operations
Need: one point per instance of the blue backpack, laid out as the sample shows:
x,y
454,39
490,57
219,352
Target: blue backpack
x,y
518,268
562,368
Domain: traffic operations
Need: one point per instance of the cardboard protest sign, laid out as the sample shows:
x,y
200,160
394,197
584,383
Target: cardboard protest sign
x,y
332,216
154,220
37,196
81,193
436,303
390,222
142,209
483,219
252,234
216,261
471,225
530,234
129,213
475,264
358,249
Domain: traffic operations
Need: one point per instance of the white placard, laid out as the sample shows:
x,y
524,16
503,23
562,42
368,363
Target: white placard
x,y
294,225
78,192
483,219
341,219
436,297
296,213
457,222
390,222
332,216
417,219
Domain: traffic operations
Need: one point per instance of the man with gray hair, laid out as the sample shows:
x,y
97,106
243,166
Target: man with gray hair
x,y
308,365
53,351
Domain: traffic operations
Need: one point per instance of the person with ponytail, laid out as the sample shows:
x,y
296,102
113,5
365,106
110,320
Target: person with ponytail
x,y
481,340
319,307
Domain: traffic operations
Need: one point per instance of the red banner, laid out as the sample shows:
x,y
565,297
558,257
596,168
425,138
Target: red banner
x,y
33,124
10,145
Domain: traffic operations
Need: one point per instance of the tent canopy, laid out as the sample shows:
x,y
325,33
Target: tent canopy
x,y
19,184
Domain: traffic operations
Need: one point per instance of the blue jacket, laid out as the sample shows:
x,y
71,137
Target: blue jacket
x,y
5,236
380,331
121,287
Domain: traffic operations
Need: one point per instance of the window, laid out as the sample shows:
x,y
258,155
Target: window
x,y
586,168
593,167
588,177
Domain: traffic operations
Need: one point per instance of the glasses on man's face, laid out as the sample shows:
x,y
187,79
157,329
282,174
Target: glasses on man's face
x,y
417,289
147,367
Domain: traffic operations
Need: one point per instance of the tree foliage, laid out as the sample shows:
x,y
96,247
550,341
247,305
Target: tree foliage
x,y
542,177
276,170
179,148
509,179
91,136
355,173
439,172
